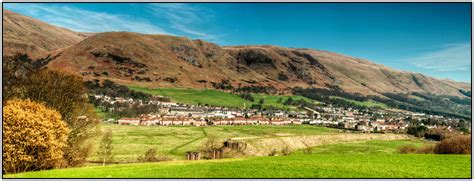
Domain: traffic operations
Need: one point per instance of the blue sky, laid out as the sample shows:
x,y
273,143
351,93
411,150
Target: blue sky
x,y
429,38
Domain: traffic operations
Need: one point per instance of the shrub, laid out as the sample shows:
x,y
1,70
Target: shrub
x,y
248,97
460,144
272,152
429,149
417,130
150,156
407,149
34,137
285,151
308,150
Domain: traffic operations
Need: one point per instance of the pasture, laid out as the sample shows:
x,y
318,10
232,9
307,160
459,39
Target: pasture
x,y
219,98
379,160
132,141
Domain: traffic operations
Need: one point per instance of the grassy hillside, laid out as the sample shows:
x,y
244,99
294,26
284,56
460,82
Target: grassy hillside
x,y
330,161
218,98
132,141
369,103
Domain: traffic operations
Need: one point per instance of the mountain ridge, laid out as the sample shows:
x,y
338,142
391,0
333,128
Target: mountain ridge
x,y
168,61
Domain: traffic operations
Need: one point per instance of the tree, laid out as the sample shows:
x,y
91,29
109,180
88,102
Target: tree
x,y
34,136
66,93
279,100
105,148
289,101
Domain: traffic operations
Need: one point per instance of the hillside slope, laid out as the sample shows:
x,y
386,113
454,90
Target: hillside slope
x,y
168,61
28,35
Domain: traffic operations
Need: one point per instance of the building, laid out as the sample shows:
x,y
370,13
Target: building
x,y
129,121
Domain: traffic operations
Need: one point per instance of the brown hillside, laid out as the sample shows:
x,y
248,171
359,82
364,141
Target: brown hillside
x,y
28,35
168,61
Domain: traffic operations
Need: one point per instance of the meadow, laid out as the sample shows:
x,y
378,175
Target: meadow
x,y
369,103
370,159
130,142
219,98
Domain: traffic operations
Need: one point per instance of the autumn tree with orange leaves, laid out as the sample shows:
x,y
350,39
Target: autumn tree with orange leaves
x,y
34,137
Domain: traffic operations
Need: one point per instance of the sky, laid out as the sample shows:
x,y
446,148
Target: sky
x,y
429,38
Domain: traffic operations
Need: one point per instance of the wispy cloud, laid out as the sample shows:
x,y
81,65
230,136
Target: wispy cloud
x,y
187,19
452,57
86,21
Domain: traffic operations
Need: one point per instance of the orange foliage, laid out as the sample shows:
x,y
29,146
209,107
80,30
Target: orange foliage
x,y
34,136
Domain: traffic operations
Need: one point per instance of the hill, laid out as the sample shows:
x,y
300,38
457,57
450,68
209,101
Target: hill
x,y
167,61
162,61
28,35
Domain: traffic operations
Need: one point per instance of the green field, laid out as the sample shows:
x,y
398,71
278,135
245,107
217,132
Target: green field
x,y
378,160
369,147
218,98
132,141
369,103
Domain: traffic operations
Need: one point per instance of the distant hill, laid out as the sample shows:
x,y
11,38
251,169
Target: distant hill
x,y
28,35
167,61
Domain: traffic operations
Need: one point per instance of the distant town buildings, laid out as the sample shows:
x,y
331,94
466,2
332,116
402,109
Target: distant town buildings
x,y
174,114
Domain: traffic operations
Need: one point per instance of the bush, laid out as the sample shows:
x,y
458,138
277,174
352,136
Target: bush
x,y
34,137
272,152
248,97
460,144
150,156
407,149
418,131
426,149
308,150
285,151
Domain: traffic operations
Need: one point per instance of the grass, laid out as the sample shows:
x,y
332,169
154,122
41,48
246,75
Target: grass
x,y
330,161
369,103
195,96
219,98
369,147
129,142
273,100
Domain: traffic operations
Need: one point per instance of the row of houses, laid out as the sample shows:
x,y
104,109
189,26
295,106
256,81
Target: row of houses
x,y
190,121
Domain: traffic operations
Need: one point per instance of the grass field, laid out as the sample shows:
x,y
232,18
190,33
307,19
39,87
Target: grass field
x,y
369,103
369,147
378,159
218,98
132,141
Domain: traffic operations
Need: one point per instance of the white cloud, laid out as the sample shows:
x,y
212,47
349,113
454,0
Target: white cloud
x,y
452,57
86,21
188,19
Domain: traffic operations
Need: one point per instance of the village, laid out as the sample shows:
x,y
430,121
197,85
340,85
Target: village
x,y
365,121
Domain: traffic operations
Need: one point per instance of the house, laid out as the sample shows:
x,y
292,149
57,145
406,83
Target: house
x,y
129,121
185,111
239,121
280,121
297,121
199,122
149,121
